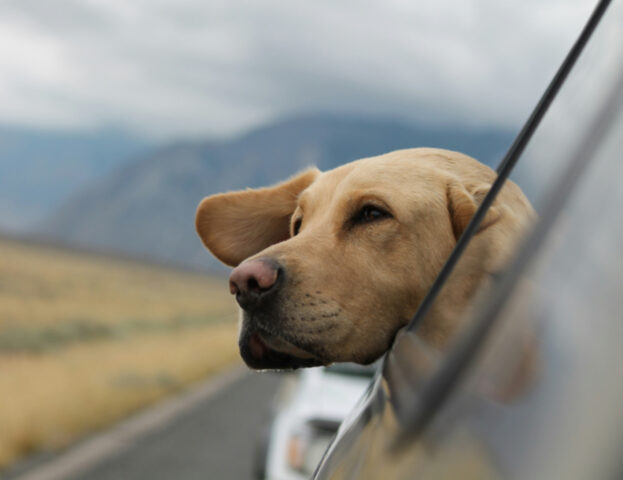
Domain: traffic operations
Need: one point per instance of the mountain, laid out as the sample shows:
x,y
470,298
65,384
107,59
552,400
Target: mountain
x,y
147,208
39,169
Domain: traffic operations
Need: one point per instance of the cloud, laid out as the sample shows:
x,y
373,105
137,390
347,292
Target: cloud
x,y
197,67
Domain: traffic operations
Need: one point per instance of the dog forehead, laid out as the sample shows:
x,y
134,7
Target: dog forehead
x,y
385,174
324,186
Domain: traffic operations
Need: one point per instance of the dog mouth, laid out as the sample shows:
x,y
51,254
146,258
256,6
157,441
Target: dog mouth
x,y
264,351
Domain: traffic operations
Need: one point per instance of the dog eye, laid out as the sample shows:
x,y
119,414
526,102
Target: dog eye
x,y
296,227
370,213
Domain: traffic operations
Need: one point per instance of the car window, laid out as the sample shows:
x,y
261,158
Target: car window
x,y
563,385
394,408
536,162
562,131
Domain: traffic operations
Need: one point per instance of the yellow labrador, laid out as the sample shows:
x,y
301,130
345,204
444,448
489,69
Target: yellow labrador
x,y
330,265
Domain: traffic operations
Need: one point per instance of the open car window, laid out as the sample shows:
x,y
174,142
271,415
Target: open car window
x,y
559,389
414,406
537,160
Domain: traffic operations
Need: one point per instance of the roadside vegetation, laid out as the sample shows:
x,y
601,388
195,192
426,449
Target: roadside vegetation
x,y
85,340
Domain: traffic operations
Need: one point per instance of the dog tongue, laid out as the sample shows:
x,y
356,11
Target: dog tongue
x,y
257,347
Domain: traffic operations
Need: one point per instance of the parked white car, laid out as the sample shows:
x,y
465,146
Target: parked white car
x,y
308,411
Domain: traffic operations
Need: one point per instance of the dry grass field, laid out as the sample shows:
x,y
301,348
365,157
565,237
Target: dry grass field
x,y
85,340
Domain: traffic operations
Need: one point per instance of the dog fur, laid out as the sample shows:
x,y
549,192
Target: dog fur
x,y
358,247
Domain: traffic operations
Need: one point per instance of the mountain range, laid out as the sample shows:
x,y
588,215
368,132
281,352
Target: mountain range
x,y
146,207
40,168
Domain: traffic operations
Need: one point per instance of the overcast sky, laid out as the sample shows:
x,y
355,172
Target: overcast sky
x,y
169,68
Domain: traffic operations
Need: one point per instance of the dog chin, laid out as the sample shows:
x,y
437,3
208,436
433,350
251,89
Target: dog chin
x,y
262,351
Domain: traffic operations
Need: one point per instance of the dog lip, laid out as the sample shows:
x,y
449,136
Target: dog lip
x,y
281,345
260,355
256,346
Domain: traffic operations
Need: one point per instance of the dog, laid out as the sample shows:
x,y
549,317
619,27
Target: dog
x,y
330,265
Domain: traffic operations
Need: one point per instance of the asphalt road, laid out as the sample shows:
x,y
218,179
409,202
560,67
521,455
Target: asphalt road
x,y
215,439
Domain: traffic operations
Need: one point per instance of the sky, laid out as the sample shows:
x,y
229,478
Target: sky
x,y
188,68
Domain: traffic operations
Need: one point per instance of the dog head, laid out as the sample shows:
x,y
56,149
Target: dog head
x,y
330,265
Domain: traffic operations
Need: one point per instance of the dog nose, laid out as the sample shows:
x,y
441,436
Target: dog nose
x,y
252,281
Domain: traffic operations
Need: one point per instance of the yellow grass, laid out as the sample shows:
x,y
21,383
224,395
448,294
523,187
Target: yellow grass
x,y
41,285
116,336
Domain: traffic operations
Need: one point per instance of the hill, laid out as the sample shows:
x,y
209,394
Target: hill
x,y
147,208
39,169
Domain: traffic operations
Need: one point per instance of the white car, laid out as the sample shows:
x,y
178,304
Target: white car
x,y
309,409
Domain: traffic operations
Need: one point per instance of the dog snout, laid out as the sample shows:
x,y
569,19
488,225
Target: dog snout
x,y
254,282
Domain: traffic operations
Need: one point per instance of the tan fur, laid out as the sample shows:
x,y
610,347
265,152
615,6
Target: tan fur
x,y
234,226
349,288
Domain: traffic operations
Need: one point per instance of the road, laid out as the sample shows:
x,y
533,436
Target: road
x,y
214,438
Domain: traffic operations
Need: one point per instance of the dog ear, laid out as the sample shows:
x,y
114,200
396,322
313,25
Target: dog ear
x,y
236,225
462,204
